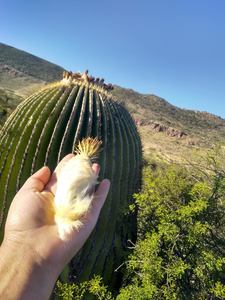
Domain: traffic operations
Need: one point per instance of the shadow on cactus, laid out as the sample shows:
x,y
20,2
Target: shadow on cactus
x,y
46,127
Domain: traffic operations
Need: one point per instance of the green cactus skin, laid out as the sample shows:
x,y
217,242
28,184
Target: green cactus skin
x,y
46,127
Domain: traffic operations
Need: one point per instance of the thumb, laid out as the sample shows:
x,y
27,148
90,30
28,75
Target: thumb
x,y
38,180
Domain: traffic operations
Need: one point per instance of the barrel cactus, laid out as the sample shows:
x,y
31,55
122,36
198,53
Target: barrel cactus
x,y
47,126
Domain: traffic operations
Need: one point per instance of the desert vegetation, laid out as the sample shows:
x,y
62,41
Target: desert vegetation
x,y
180,249
179,252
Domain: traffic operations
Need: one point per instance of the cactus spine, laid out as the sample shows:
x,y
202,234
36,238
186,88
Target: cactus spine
x,y
46,127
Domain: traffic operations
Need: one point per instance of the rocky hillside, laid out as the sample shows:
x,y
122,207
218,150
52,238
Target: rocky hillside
x,y
167,132
170,132
22,73
29,64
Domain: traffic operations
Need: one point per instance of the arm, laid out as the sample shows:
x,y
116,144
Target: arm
x,y
32,255
23,274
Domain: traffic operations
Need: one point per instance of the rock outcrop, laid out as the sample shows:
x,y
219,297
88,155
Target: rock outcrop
x,y
158,127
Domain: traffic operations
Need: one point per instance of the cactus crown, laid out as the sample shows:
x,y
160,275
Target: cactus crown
x,y
70,78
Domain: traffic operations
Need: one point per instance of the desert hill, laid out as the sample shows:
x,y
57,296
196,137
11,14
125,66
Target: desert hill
x,y
168,132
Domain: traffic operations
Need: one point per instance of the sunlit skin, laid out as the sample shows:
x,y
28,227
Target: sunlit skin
x,y
32,254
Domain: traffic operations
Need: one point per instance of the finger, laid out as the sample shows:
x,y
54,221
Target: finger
x,y
90,220
99,200
38,180
51,186
96,169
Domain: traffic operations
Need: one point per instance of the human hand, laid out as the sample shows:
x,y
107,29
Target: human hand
x,y
30,222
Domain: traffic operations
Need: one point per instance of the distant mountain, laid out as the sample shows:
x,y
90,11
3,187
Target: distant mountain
x,y
31,65
167,132
21,74
170,132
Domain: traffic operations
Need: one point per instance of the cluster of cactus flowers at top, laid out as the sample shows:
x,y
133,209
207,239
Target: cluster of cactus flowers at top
x,y
50,124
70,77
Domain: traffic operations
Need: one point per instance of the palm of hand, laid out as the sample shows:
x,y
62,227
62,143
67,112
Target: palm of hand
x,y
31,218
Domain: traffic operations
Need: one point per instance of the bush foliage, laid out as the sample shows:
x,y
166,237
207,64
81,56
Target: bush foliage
x,y
180,251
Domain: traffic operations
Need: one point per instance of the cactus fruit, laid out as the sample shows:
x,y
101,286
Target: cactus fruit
x,y
47,126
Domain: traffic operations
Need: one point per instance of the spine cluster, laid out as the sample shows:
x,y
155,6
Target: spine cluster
x,y
70,77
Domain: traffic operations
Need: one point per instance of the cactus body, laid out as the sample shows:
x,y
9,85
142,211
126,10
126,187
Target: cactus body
x,y
46,127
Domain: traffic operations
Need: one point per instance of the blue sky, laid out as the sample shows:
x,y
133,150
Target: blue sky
x,y
172,48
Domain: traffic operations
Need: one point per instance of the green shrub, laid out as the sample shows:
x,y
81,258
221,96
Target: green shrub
x,y
94,288
180,251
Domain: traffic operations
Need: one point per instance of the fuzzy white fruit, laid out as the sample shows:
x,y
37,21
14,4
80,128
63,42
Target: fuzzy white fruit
x,y
75,186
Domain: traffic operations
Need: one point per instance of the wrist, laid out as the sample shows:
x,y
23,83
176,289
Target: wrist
x,y
21,264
